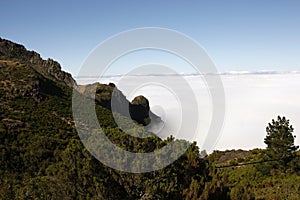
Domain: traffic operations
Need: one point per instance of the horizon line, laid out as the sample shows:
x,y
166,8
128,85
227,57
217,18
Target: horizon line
x,y
235,72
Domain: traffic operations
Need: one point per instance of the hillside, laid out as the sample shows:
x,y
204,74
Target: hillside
x,y
41,153
42,156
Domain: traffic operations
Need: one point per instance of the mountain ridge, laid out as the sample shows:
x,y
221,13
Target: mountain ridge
x,y
49,68
52,69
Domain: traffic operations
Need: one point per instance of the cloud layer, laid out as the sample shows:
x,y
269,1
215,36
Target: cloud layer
x,y
252,101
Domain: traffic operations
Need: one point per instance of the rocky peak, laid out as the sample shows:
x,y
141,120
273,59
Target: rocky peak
x,y
48,68
139,109
140,100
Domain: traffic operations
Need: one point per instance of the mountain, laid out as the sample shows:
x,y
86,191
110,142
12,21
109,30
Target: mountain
x,y
15,54
42,156
49,68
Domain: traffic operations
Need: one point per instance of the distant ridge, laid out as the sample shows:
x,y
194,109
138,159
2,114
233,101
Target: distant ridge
x,y
258,72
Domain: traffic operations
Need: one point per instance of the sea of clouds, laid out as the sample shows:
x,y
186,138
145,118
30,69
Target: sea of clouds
x,y
253,99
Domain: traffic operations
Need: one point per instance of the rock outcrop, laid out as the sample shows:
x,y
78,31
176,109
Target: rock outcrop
x,y
138,110
48,68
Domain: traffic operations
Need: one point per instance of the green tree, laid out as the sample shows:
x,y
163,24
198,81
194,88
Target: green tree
x,y
280,141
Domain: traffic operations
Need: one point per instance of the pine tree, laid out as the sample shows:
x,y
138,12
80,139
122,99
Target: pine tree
x,y
280,141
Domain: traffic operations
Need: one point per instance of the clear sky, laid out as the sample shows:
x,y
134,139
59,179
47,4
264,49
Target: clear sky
x,y
238,35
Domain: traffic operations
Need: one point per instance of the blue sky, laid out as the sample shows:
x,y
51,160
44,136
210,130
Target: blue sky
x,y
238,35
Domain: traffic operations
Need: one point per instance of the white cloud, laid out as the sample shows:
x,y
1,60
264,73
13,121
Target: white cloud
x,y
252,101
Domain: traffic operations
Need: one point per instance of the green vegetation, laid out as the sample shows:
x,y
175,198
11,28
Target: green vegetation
x,y
280,142
42,156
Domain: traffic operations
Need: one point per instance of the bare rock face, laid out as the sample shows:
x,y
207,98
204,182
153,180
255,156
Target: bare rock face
x,y
48,68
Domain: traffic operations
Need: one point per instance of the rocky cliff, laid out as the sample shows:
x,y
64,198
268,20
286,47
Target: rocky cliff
x,y
48,68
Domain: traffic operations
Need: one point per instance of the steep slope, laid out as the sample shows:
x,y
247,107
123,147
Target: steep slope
x,y
48,68
36,129
41,155
12,54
